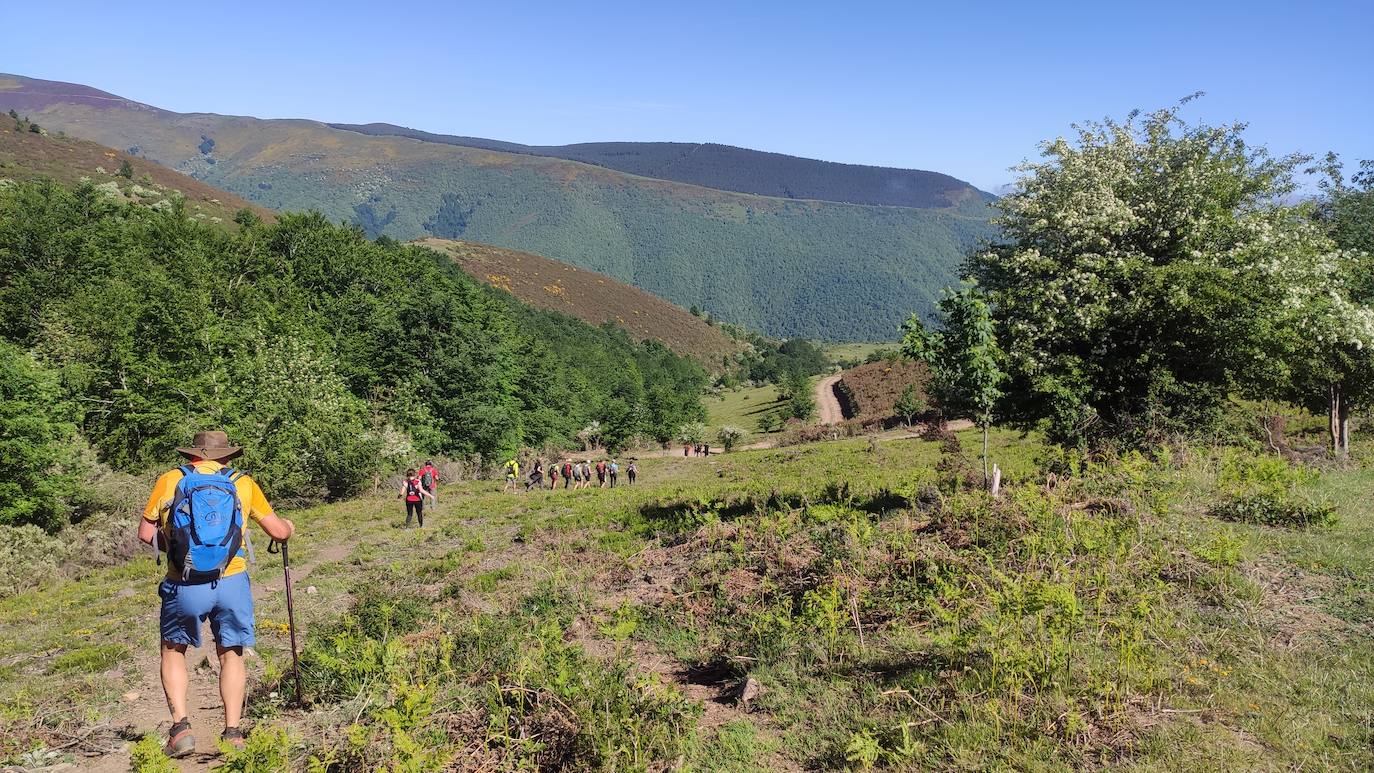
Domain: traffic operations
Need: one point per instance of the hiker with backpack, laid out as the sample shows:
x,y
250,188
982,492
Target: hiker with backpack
x,y
198,513
632,471
536,478
567,474
413,489
553,476
601,473
429,479
512,475
613,470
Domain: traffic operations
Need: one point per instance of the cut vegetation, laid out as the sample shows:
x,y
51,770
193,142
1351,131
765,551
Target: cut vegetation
x,y
592,297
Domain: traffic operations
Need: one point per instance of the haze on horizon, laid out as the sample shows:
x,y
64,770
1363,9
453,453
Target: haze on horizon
x,y
964,91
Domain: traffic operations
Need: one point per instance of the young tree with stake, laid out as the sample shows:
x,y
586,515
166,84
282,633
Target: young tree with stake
x,y
964,359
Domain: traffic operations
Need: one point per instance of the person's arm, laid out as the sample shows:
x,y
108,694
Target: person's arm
x,y
277,527
159,499
425,493
147,531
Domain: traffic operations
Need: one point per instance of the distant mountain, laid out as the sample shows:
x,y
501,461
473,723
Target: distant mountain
x,y
592,297
728,168
788,267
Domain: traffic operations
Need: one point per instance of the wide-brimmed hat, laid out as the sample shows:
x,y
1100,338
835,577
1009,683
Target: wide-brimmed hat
x,y
211,444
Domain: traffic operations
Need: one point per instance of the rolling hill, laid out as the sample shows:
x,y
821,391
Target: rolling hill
x,y
587,295
27,155
741,170
789,267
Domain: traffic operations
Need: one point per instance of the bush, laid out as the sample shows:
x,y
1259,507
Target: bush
x,y
1264,490
1272,508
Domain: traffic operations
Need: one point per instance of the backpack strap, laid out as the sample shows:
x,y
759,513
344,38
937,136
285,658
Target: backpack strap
x,y
186,469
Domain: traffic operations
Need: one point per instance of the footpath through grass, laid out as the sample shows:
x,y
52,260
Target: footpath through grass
x,y
880,610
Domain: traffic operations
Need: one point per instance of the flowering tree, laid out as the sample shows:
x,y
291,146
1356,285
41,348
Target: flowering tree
x,y
1327,312
1135,289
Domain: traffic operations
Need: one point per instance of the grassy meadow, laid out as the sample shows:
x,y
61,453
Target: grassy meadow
x,y
873,607
744,408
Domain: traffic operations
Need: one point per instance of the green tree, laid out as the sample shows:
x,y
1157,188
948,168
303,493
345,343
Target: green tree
x,y
692,433
802,404
34,433
964,359
126,169
910,404
1328,311
1135,287
730,437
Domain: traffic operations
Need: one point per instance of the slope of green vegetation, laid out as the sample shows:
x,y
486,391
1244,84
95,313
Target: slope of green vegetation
x,y
885,612
330,357
787,267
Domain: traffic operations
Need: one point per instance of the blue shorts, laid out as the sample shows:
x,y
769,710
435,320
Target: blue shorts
x,y
227,603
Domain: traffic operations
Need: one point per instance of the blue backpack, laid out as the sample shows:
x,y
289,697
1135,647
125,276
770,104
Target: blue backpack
x,y
205,528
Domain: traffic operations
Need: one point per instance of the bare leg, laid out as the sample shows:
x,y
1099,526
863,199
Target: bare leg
x,y
174,678
232,681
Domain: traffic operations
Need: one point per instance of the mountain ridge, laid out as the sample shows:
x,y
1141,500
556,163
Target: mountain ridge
x,y
918,188
786,267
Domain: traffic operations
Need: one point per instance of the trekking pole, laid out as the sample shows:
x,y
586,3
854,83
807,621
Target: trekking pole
x,y
290,612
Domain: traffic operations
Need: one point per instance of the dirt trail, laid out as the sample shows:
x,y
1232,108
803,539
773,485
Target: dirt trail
x,y
827,404
148,711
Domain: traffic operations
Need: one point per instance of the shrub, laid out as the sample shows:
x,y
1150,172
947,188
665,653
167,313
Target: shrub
x,y
1276,508
146,757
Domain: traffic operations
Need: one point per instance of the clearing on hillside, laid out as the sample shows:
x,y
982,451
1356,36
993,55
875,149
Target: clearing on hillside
x,y
593,297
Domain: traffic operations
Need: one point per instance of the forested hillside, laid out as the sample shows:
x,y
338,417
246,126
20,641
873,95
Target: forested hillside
x,y
730,168
787,267
329,356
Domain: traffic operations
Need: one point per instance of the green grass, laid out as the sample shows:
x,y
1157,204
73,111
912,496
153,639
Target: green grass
x,y
743,408
890,612
857,352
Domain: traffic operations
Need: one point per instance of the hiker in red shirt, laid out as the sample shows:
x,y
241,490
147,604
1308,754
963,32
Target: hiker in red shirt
x,y
413,489
429,480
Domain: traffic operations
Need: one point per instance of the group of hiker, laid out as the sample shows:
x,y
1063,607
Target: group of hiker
x,y
696,449
197,515
574,474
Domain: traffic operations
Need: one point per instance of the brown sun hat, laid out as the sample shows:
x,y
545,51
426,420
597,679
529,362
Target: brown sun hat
x,y
211,444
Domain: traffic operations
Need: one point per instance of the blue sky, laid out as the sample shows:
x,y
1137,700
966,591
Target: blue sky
x,y
963,88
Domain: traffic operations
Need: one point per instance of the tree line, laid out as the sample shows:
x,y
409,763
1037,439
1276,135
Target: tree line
x,y
1151,269
331,357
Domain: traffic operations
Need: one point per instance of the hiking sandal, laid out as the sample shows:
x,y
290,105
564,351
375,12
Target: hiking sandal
x,y
180,742
232,736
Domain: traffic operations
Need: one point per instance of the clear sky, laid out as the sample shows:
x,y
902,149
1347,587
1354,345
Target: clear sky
x,y
960,87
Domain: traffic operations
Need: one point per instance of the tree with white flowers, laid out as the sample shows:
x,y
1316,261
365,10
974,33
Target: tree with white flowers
x,y
1150,270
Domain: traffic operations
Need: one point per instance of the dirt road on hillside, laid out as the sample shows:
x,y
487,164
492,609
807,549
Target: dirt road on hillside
x,y
827,404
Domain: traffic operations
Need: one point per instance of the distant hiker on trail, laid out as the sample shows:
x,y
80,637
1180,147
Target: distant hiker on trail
x,y
632,471
512,475
601,473
567,474
613,469
429,478
685,448
553,476
414,491
536,476
199,514
586,473
705,449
